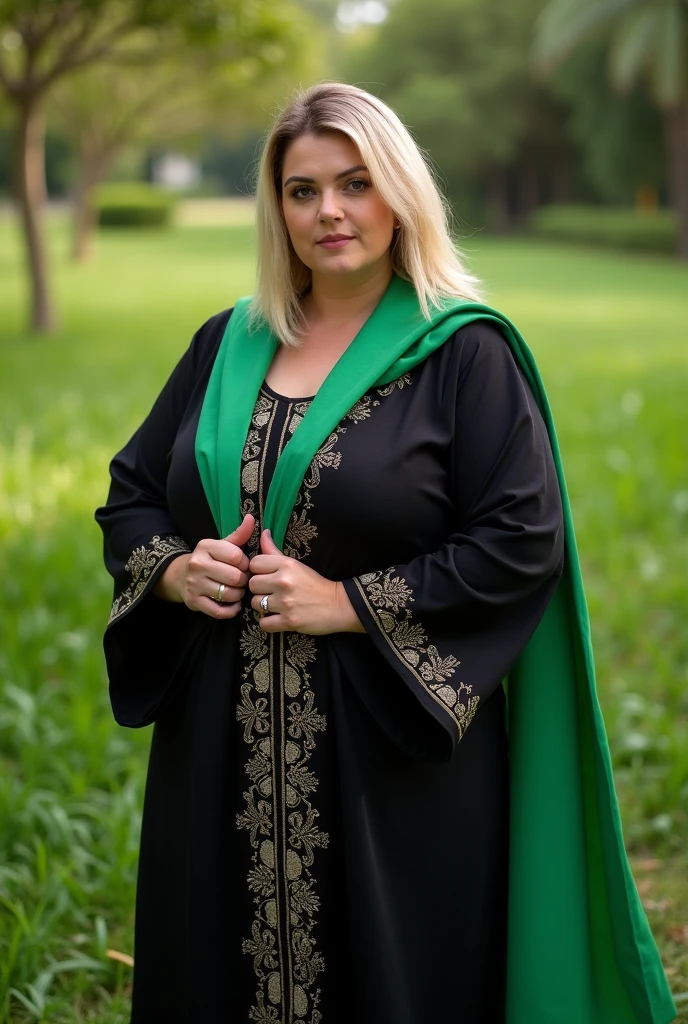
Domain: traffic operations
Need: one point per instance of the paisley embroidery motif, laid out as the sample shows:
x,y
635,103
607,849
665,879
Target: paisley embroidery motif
x,y
387,595
143,563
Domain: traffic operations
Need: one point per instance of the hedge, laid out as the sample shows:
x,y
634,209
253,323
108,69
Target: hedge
x,y
613,227
133,204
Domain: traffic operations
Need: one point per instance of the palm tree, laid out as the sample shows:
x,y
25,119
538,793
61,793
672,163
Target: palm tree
x,y
647,39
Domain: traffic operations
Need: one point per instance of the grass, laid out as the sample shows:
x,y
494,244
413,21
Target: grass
x,y
608,332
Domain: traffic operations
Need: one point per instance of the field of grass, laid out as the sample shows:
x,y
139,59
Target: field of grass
x,y
609,335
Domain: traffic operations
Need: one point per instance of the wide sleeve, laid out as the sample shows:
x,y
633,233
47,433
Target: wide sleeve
x,y
452,622
147,640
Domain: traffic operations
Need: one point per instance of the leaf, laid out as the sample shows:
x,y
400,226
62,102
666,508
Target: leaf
x,y
122,958
633,46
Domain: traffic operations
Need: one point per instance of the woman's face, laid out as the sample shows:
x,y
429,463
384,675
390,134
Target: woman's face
x,y
327,191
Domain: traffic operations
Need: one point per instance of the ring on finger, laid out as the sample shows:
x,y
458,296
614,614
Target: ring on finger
x,y
264,602
220,591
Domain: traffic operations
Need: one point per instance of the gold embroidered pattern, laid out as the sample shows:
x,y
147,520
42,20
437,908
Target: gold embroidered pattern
x,y
142,564
387,389
280,723
301,531
387,596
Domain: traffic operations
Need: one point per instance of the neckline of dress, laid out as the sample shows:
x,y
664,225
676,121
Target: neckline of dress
x,y
284,398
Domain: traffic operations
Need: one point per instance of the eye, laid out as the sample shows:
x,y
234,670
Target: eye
x,y
358,181
295,193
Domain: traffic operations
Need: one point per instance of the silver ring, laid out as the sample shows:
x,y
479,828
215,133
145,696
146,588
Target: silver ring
x,y
220,591
264,602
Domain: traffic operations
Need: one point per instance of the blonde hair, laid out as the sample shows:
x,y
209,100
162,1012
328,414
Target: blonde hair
x,y
422,250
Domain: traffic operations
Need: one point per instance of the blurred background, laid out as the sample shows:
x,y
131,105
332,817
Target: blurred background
x,y
129,131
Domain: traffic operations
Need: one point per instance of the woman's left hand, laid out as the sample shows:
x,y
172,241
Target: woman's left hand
x,y
300,599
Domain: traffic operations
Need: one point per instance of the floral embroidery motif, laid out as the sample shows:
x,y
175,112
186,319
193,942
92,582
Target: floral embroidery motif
x,y
281,723
143,563
387,596
387,389
361,410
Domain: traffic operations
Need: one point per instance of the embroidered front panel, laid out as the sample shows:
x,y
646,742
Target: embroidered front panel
x,y
280,724
387,595
142,565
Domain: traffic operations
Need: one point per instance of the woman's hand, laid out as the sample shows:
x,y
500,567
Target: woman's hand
x,y
300,599
195,578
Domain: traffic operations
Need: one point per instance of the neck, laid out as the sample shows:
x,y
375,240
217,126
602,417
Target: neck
x,y
341,299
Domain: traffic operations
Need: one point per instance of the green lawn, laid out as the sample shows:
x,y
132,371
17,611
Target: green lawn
x,y
609,333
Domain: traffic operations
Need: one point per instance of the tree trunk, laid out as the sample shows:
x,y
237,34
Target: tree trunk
x,y
93,170
676,125
31,196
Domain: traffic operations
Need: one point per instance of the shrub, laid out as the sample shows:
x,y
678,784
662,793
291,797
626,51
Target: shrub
x,y
133,204
612,227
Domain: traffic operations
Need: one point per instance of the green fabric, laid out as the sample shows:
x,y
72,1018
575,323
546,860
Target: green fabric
x,y
580,947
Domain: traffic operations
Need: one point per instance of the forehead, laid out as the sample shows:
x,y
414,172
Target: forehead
x,y
320,155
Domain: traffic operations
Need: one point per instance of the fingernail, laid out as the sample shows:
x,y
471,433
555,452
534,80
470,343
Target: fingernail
x,y
268,533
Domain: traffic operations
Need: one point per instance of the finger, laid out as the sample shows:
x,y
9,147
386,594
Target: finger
x,y
272,624
261,583
202,566
218,611
267,544
243,532
272,602
229,594
220,572
225,551
265,563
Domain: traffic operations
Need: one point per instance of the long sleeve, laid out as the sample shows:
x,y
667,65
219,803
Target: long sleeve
x,y
452,622
148,639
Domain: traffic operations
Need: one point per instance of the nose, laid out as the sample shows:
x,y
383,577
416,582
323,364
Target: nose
x,y
330,208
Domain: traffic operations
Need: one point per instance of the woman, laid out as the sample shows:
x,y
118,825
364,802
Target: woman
x,y
329,551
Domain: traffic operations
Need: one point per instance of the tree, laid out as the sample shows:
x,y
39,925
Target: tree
x,y
458,72
645,39
110,107
44,41
620,137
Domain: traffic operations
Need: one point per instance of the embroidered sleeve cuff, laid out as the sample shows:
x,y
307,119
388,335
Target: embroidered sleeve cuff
x,y
380,600
143,568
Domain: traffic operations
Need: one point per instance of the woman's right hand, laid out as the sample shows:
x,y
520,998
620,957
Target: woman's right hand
x,y
195,578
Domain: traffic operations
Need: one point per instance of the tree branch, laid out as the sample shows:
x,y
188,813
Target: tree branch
x,y
69,58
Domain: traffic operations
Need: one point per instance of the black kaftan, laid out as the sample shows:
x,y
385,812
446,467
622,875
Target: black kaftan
x,y
317,844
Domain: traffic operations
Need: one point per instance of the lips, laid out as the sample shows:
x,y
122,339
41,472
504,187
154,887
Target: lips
x,y
334,241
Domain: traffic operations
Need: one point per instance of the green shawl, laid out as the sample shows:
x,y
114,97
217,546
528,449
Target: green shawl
x,y
580,947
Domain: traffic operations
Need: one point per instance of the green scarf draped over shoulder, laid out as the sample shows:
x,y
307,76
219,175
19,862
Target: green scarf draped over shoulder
x,y
580,950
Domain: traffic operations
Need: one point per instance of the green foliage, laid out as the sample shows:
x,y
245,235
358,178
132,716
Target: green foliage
x,y
133,205
620,136
463,83
608,332
645,39
614,227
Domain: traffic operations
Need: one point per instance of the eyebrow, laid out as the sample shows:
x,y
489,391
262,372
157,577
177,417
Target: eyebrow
x,y
342,174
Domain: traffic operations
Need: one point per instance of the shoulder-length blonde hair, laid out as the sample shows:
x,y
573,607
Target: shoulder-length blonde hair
x,y
422,250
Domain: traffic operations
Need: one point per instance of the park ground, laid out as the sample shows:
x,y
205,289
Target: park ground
x,y
609,335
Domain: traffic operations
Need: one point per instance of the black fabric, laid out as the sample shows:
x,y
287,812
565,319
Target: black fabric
x,y
326,817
